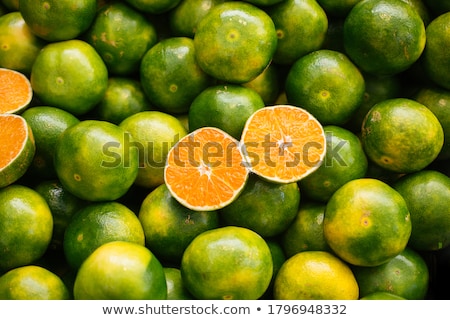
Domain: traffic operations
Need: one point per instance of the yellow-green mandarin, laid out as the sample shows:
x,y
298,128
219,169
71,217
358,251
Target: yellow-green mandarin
x,y
26,225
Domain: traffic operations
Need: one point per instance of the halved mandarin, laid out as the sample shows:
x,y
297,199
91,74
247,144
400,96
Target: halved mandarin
x,y
17,148
283,143
15,91
205,170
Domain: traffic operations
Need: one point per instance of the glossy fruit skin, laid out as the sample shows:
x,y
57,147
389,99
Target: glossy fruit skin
x,y
123,98
122,36
327,84
315,275
264,207
267,84
216,265
184,18
367,222
145,279
19,166
96,224
395,131
226,107
63,206
427,194
377,90
154,133
26,225
436,60
32,283
171,76
17,37
112,167
169,227
64,69
298,19
405,275
437,100
305,233
384,37
58,20
47,124
231,35
345,161
175,287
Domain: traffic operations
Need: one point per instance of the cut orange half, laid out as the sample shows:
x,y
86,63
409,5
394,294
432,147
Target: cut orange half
x,y
15,91
283,143
205,169
17,148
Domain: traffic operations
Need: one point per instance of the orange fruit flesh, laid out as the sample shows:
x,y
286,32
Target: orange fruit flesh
x,y
12,139
15,91
283,143
205,170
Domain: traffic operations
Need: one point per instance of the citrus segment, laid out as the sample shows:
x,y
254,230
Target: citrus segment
x,y
15,91
283,143
17,148
205,170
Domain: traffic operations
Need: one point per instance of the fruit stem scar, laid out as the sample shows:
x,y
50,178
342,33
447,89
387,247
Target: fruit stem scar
x,y
324,93
173,87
